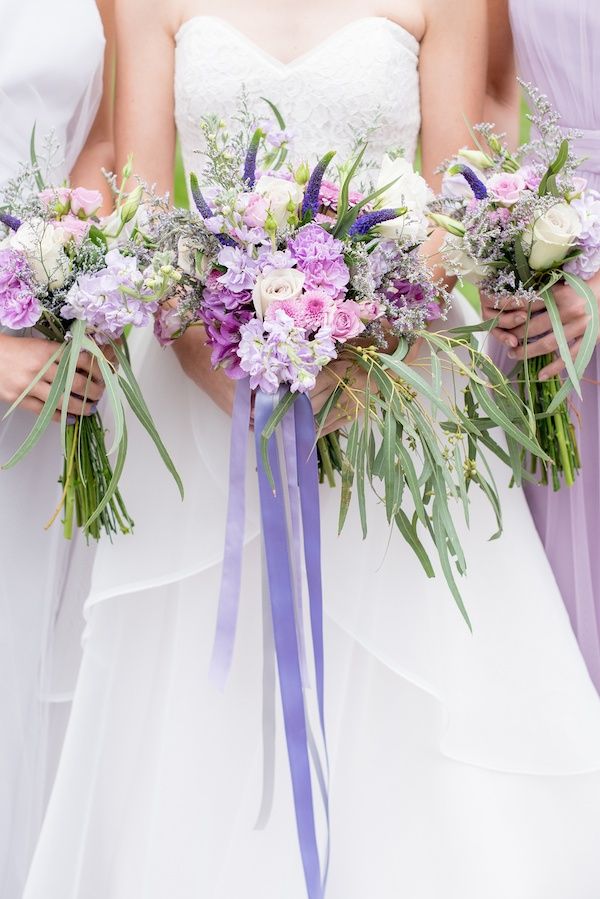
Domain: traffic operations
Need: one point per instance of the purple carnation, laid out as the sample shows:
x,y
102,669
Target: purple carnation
x,y
321,258
19,308
103,299
408,295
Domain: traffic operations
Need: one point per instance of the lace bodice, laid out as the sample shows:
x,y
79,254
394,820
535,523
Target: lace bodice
x,y
362,80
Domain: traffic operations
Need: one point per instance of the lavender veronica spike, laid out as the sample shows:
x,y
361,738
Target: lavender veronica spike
x,y
10,221
310,204
201,204
478,187
205,210
250,163
364,223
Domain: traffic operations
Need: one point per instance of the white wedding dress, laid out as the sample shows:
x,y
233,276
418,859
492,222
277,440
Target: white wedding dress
x,y
51,59
463,766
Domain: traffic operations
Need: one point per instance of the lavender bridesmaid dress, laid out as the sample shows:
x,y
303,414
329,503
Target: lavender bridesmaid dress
x,y
557,47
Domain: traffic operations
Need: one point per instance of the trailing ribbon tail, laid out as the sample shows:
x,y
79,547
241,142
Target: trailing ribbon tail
x,y
281,594
229,598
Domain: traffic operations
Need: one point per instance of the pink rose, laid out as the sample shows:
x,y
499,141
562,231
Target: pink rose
x,y
256,211
86,202
506,187
167,324
370,310
77,228
345,321
57,198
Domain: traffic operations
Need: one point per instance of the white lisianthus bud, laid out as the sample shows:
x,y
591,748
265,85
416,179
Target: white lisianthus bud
x,y
448,224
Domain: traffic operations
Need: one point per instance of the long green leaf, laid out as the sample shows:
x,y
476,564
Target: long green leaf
x,y
445,562
389,463
147,423
409,533
588,343
559,333
112,390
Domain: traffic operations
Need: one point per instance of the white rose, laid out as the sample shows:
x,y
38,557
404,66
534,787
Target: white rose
x,y
551,237
409,190
278,284
280,194
461,263
43,246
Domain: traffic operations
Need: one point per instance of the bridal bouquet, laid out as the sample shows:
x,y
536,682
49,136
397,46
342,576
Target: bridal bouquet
x,y
287,271
517,225
62,275
292,273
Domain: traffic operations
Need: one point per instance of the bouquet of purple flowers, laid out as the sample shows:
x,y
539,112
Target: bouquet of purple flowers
x,y
287,271
519,223
63,275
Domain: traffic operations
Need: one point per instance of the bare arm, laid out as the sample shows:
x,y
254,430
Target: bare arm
x,y
98,152
502,95
145,126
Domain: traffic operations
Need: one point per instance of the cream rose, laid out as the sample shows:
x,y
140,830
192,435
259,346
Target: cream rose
x,y
551,237
278,284
281,194
408,190
43,247
461,263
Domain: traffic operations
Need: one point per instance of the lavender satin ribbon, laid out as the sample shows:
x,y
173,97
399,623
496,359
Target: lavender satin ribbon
x,y
281,592
229,598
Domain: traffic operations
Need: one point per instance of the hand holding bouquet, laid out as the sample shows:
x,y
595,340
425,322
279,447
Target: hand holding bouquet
x,y
519,224
60,277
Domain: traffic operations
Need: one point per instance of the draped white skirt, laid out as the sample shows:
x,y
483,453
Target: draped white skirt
x,y
463,766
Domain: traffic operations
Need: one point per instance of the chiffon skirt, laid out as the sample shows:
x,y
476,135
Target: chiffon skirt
x,y
462,765
43,585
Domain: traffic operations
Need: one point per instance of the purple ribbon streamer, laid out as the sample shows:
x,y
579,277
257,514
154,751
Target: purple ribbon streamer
x,y
229,598
286,641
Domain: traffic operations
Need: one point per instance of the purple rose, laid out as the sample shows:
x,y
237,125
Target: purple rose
x,y
321,258
19,308
345,321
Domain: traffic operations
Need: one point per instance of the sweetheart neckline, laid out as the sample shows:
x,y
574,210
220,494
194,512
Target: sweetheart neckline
x,y
308,54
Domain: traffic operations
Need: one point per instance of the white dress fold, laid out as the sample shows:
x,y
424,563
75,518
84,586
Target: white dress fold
x,y
51,60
